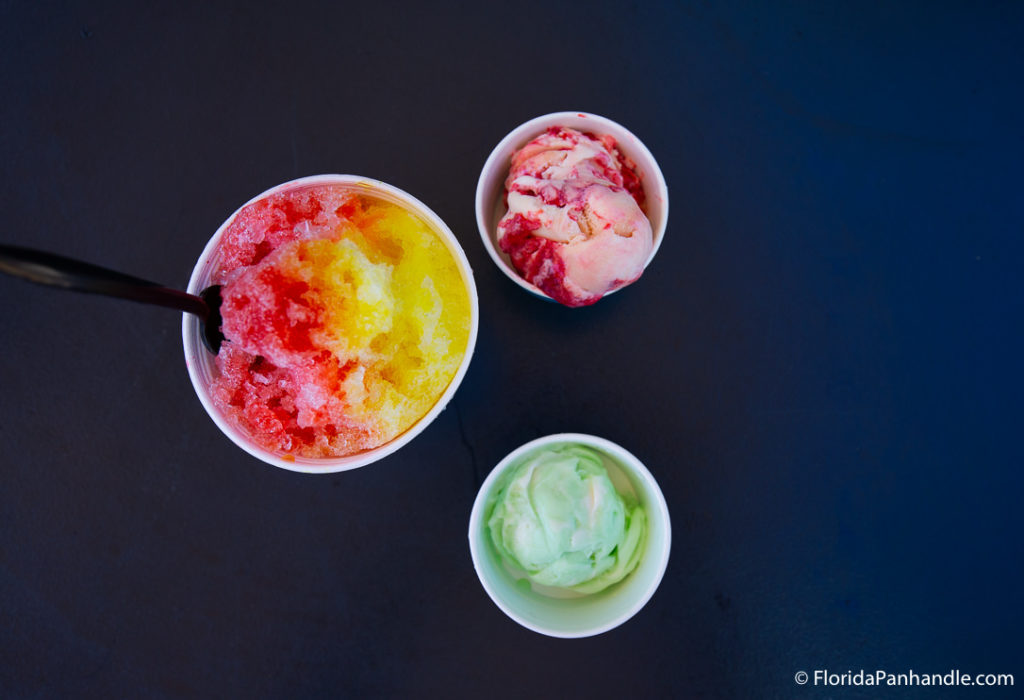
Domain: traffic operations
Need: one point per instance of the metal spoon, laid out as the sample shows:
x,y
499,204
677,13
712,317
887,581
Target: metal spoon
x,y
58,271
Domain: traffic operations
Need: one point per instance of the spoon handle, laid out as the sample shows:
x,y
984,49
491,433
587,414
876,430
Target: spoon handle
x,y
58,271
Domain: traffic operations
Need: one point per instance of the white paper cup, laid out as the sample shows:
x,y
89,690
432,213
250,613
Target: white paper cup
x,y
491,186
202,369
575,616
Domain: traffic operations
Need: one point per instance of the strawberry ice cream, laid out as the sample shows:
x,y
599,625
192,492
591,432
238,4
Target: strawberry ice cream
x,y
575,228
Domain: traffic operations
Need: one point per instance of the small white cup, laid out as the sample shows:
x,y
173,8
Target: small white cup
x,y
491,185
576,616
200,362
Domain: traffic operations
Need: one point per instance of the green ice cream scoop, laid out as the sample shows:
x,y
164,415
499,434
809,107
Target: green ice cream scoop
x,y
558,517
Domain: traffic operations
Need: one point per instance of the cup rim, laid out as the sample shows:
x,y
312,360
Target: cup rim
x,y
518,137
627,462
197,355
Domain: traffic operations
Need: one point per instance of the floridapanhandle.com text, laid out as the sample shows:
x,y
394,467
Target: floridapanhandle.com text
x,y
955,677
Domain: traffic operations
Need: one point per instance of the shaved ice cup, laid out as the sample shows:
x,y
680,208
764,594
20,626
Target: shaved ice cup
x,y
202,368
490,187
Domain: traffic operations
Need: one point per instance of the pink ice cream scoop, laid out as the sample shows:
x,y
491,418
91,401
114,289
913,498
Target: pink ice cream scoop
x,y
575,227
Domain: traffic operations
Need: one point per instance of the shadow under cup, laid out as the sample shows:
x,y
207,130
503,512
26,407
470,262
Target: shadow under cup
x,y
202,367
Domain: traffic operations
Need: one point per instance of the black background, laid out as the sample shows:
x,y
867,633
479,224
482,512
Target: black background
x,y
821,367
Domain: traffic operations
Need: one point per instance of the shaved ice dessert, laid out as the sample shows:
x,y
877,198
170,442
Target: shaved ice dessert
x,y
345,319
575,226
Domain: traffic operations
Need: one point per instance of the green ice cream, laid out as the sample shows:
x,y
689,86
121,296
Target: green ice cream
x,y
558,517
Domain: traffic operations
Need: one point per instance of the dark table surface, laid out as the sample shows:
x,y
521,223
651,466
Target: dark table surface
x,y
822,366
